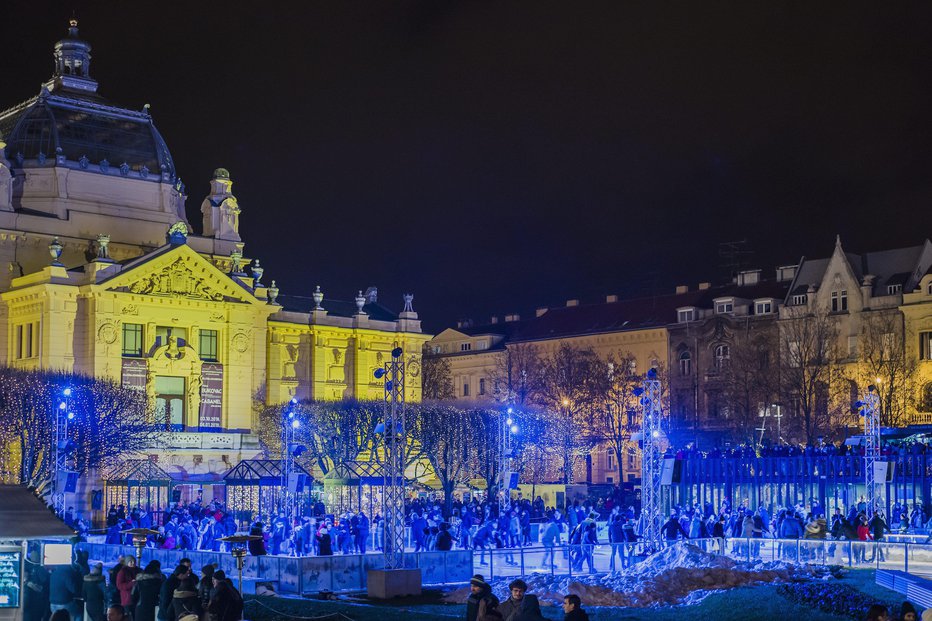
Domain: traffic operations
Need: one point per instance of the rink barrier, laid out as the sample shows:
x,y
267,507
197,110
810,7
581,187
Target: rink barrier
x,y
304,575
573,560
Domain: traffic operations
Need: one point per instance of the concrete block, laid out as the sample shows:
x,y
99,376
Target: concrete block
x,y
388,583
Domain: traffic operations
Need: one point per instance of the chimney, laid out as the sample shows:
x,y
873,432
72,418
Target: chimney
x,y
748,278
610,299
681,289
540,311
704,285
494,319
510,318
572,302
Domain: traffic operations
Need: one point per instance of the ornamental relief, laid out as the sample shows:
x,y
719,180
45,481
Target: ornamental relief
x,y
176,279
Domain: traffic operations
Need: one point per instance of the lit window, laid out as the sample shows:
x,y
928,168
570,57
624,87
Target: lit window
x,y
208,345
894,289
686,364
686,314
132,339
925,345
724,307
465,346
722,356
763,308
839,301
799,300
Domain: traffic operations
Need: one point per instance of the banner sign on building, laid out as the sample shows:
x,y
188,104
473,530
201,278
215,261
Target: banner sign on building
x,y
134,374
211,415
11,578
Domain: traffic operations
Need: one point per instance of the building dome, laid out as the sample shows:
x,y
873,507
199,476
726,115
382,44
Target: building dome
x,y
68,124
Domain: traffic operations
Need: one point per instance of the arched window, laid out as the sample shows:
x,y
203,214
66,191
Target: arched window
x,y
722,356
927,397
686,364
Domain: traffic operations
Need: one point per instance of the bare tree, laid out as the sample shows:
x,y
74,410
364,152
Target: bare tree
x,y
810,372
749,381
517,378
617,418
572,389
436,377
448,440
883,362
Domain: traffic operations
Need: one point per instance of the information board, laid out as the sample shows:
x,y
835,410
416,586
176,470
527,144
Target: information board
x,y
11,576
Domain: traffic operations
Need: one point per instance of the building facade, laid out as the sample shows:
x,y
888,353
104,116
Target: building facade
x,y
104,276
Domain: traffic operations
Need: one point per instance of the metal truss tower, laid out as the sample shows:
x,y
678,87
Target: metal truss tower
x,y
61,452
395,440
651,462
871,412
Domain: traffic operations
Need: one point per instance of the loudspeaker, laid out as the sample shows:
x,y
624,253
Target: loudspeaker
x,y
97,500
176,495
666,472
71,483
883,471
510,479
295,483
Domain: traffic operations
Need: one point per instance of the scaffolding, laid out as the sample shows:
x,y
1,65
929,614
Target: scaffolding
x,y
395,440
651,464
871,413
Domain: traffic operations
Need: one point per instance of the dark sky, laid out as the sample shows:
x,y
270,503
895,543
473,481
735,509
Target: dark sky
x,y
493,157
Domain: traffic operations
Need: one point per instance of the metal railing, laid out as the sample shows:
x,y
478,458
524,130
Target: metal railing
x,y
572,560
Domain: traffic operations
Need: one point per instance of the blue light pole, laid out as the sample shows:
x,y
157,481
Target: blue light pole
x,y
59,465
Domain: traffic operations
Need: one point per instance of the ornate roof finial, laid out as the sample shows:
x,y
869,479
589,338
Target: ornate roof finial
x,y
360,302
103,247
837,240
409,299
257,271
73,61
273,293
55,249
318,297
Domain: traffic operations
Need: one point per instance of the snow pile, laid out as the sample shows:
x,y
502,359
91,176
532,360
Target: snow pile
x,y
680,574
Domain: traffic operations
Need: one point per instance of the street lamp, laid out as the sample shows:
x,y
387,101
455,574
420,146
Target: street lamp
x,y
61,449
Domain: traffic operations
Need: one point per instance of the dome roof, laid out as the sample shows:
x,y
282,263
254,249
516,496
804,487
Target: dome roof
x,y
69,124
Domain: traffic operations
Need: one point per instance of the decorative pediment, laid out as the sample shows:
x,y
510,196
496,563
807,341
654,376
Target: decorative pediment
x,y
179,272
176,279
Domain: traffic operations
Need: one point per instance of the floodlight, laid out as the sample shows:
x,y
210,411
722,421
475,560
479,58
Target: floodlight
x,y
380,428
294,401
70,415
67,392
396,353
514,429
62,406
652,373
638,391
379,373
509,421
290,414
656,434
510,410
295,423
389,385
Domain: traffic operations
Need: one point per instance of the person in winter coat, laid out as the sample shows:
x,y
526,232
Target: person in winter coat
x,y
257,546
616,537
126,579
206,586
94,592
167,591
512,606
572,609
185,600
64,589
530,609
324,542
146,592
113,572
226,604
444,538
36,591
877,527
480,599
672,529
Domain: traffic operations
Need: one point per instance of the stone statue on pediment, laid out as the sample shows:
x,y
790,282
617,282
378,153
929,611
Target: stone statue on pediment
x,y
220,209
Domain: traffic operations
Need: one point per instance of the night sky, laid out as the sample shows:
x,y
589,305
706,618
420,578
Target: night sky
x,y
494,157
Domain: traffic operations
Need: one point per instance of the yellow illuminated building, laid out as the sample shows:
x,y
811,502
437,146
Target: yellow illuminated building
x,y
103,276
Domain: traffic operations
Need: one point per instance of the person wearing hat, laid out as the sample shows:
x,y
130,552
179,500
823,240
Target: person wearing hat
x,y
226,604
480,599
94,591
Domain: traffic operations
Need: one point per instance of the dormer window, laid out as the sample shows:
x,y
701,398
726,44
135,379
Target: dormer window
x,y
799,300
482,345
763,307
465,346
724,306
839,301
685,314
894,289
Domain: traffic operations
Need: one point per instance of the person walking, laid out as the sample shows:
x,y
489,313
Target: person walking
x,y
226,603
146,593
94,592
616,537
572,609
480,600
126,579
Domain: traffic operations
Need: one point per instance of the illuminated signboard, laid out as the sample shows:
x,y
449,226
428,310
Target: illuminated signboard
x,y
10,578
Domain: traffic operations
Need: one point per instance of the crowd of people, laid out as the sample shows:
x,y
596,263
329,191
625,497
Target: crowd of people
x,y
125,591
